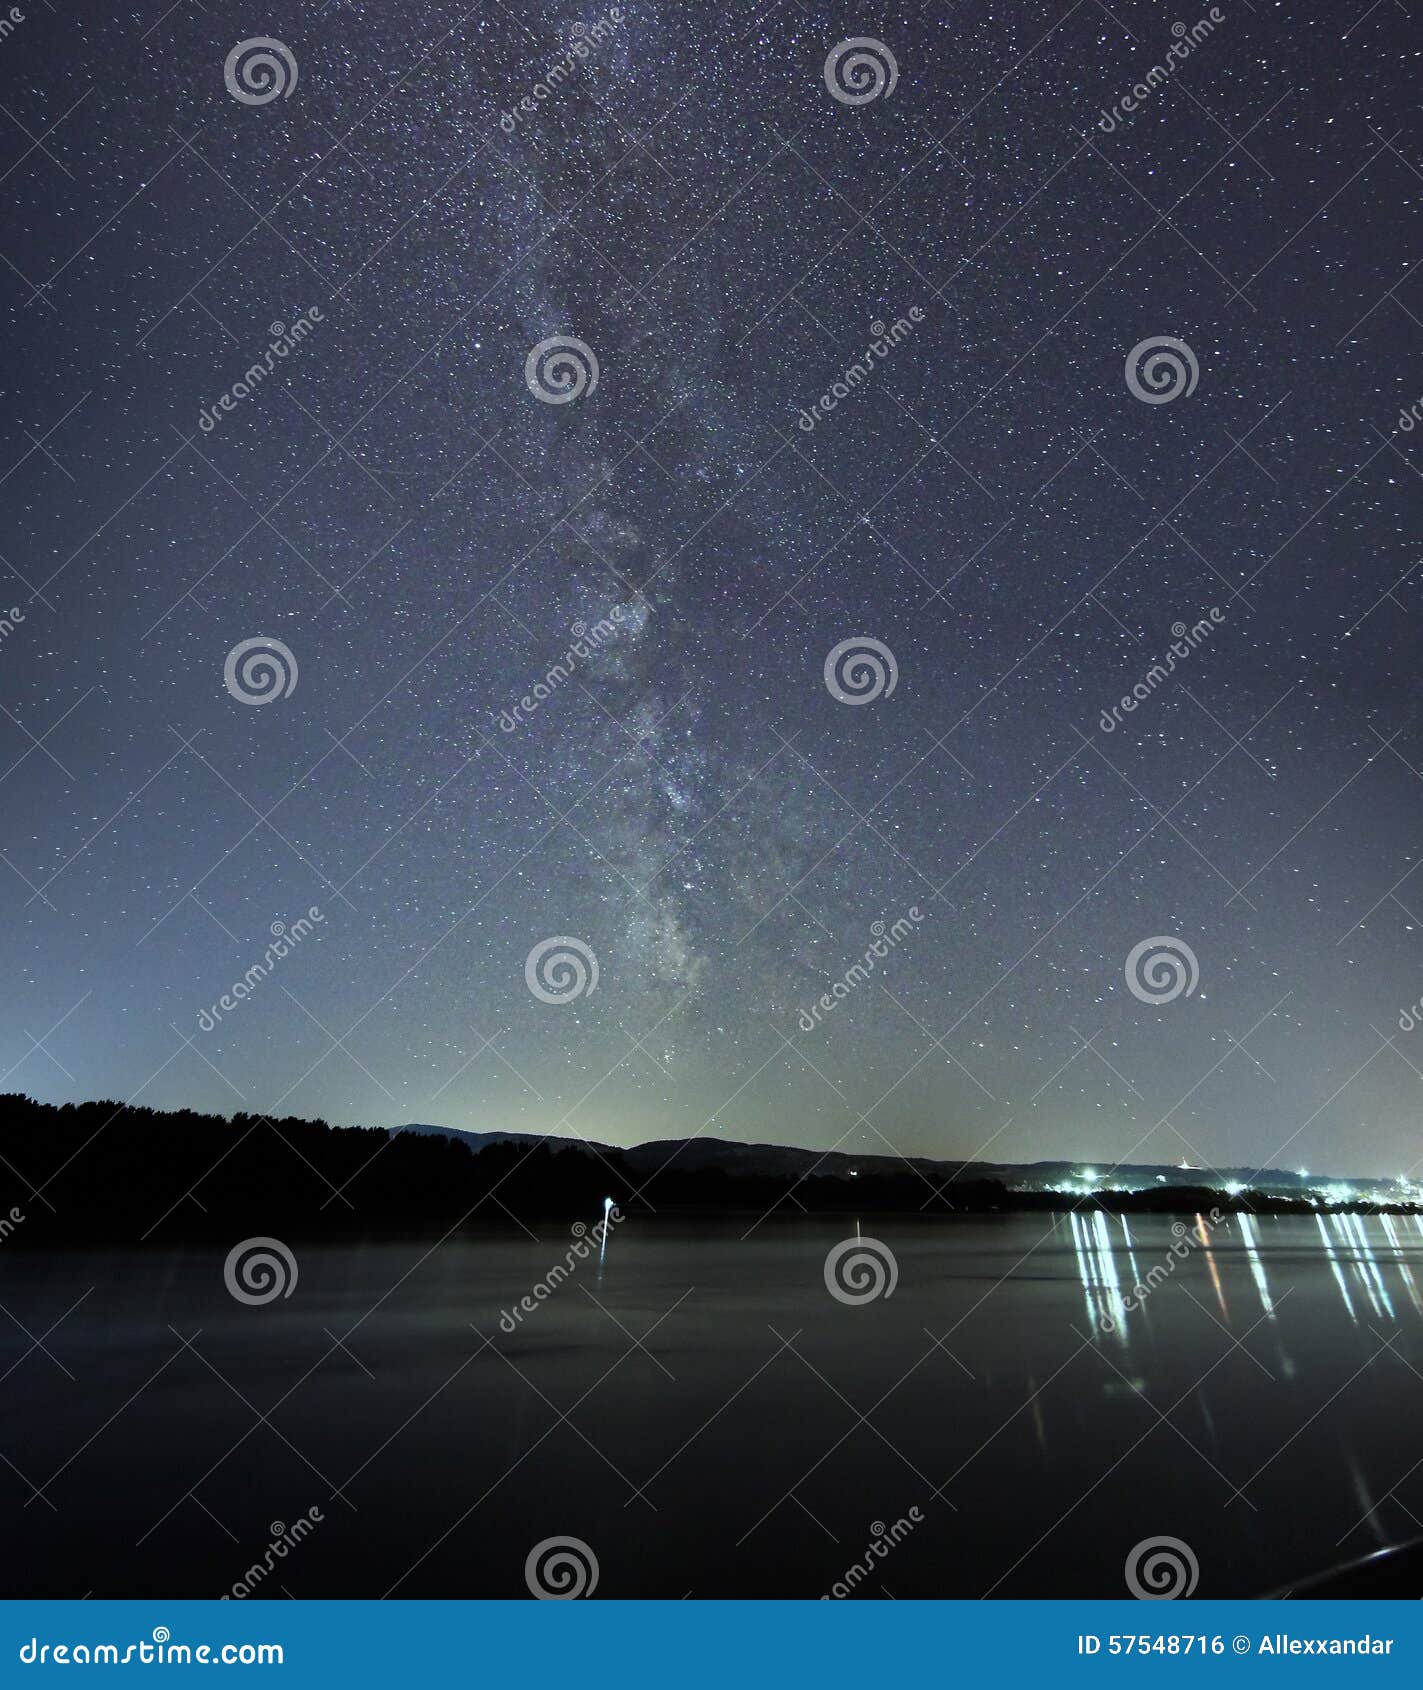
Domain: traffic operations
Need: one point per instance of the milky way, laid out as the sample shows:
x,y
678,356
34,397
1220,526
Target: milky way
x,y
864,373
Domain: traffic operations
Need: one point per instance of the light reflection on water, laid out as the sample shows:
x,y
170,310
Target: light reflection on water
x,y
1366,1254
1257,1266
1048,1390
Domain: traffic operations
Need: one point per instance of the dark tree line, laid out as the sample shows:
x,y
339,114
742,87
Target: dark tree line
x,y
104,1170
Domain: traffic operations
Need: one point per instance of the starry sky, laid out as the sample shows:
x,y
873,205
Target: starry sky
x,y
717,825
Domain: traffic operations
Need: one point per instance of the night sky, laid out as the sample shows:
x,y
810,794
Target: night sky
x,y
992,503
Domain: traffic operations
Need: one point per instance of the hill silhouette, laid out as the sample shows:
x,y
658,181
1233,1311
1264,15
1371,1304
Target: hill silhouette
x,y
105,1170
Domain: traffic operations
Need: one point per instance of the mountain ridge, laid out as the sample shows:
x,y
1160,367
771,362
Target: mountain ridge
x,y
736,1156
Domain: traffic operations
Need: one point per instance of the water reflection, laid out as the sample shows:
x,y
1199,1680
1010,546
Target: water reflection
x,y
1369,1257
1368,1268
1333,1260
1204,1238
1257,1266
1107,1305
1131,1253
1405,1272
1041,1423
1097,1269
1373,1264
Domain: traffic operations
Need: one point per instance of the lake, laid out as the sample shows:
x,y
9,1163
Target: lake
x,y
1036,1397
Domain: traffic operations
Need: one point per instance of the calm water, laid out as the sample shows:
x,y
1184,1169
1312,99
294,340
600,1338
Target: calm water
x,y
753,1443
